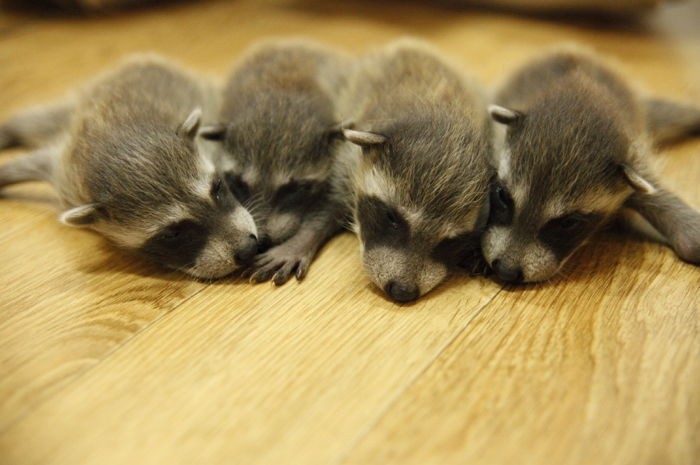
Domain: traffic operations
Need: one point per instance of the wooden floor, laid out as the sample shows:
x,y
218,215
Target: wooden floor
x,y
105,359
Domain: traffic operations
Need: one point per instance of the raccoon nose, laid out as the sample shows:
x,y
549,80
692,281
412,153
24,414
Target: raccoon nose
x,y
264,243
401,293
507,274
245,253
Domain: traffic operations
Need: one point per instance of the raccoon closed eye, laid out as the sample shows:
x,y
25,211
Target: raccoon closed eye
x,y
238,187
565,233
392,219
501,205
181,230
178,244
568,223
380,223
216,187
296,194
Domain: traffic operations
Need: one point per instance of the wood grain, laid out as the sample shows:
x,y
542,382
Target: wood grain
x,y
584,372
69,300
106,359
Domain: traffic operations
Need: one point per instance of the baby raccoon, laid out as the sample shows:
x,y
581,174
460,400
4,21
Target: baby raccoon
x,y
279,129
574,155
419,166
124,161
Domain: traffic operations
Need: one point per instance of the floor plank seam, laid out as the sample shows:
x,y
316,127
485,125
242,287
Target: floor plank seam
x,y
342,458
106,356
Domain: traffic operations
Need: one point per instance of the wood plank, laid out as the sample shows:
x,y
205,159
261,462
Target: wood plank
x,y
105,359
251,368
602,368
69,299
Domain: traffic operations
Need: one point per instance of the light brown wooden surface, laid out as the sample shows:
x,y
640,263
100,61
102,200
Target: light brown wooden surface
x,y
105,359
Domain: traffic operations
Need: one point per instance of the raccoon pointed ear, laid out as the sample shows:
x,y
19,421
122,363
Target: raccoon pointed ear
x,y
215,132
83,215
335,132
637,181
504,115
363,138
191,124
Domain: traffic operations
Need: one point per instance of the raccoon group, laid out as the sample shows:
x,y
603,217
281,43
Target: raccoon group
x,y
435,173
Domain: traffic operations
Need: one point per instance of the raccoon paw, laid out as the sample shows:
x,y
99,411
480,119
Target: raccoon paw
x,y
688,249
474,264
279,264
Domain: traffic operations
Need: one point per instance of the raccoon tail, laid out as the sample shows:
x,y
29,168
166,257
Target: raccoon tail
x,y
666,217
35,166
669,122
36,126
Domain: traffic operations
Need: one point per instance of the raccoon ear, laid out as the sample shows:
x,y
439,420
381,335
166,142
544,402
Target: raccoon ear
x,y
189,127
335,131
363,138
504,115
214,132
83,215
637,181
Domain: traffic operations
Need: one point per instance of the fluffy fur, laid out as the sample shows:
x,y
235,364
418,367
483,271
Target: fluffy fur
x,y
575,153
279,129
418,165
123,158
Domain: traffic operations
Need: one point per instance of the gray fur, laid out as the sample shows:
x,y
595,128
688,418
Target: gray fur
x,y
129,165
668,121
35,166
579,146
36,126
278,120
424,153
674,219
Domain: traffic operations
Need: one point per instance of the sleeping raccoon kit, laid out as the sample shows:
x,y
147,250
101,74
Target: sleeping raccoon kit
x,y
124,159
280,132
577,152
418,163
398,145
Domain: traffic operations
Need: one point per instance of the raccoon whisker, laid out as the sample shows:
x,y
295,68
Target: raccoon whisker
x,y
255,202
564,272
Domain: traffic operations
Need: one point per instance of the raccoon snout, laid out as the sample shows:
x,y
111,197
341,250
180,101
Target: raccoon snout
x,y
400,292
507,274
245,253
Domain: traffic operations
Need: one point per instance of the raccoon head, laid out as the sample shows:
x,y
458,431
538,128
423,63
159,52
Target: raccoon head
x,y
162,197
418,194
278,162
558,180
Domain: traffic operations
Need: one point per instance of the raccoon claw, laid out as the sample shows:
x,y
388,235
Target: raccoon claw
x,y
303,268
246,273
283,275
260,275
475,265
278,265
